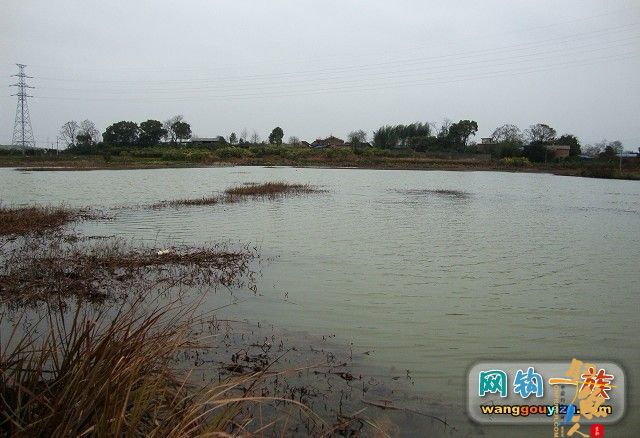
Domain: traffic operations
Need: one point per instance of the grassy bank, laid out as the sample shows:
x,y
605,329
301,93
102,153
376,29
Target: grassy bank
x,y
158,157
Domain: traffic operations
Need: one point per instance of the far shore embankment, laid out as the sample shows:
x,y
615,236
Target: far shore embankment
x,y
155,158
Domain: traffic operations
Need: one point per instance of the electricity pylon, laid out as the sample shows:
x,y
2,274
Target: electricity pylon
x,y
22,132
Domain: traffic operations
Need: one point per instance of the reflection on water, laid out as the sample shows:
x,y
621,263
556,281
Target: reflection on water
x,y
430,271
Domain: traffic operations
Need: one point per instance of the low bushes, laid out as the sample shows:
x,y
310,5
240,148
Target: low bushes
x,y
514,161
232,152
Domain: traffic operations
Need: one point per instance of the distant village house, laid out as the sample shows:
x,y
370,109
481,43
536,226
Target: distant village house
x,y
486,145
558,151
329,142
210,142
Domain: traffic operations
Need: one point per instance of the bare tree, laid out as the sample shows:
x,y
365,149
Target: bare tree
x,y
591,150
255,138
88,129
294,141
69,131
169,124
602,146
444,128
507,134
244,135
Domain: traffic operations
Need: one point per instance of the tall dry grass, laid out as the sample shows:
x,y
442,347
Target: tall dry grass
x,y
269,190
117,375
34,219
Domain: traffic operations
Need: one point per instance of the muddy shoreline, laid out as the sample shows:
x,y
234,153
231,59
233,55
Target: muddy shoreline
x,y
384,164
47,267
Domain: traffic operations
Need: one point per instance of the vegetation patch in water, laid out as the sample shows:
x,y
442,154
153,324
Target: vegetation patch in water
x,y
40,269
36,219
438,192
269,190
205,200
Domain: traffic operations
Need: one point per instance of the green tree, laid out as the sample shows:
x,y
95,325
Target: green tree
x,y
121,134
356,138
536,152
509,141
386,137
181,130
407,132
572,141
84,140
233,138
151,132
276,136
460,132
423,143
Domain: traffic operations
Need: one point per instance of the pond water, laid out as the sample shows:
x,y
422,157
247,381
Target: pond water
x,y
428,271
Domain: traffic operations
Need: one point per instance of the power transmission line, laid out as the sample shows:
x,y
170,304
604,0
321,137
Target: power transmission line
x,y
22,131
369,68
537,58
331,59
440,79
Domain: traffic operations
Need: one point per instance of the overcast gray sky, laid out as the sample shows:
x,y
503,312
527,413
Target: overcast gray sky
x,y
326,67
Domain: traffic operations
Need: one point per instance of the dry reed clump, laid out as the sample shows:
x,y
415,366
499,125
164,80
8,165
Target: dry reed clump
x,y
269,190
35,219
438,192
115,374
205,200
39,269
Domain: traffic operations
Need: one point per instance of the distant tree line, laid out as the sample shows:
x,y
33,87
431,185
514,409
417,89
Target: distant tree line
x,y
85,136
506,141
423,137
532,143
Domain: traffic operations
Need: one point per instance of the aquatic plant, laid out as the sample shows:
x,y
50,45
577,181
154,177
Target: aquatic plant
x,y
269,190
50,267
35,219
448,193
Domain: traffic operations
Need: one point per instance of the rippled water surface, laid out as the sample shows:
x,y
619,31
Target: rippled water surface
x,y
431,271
